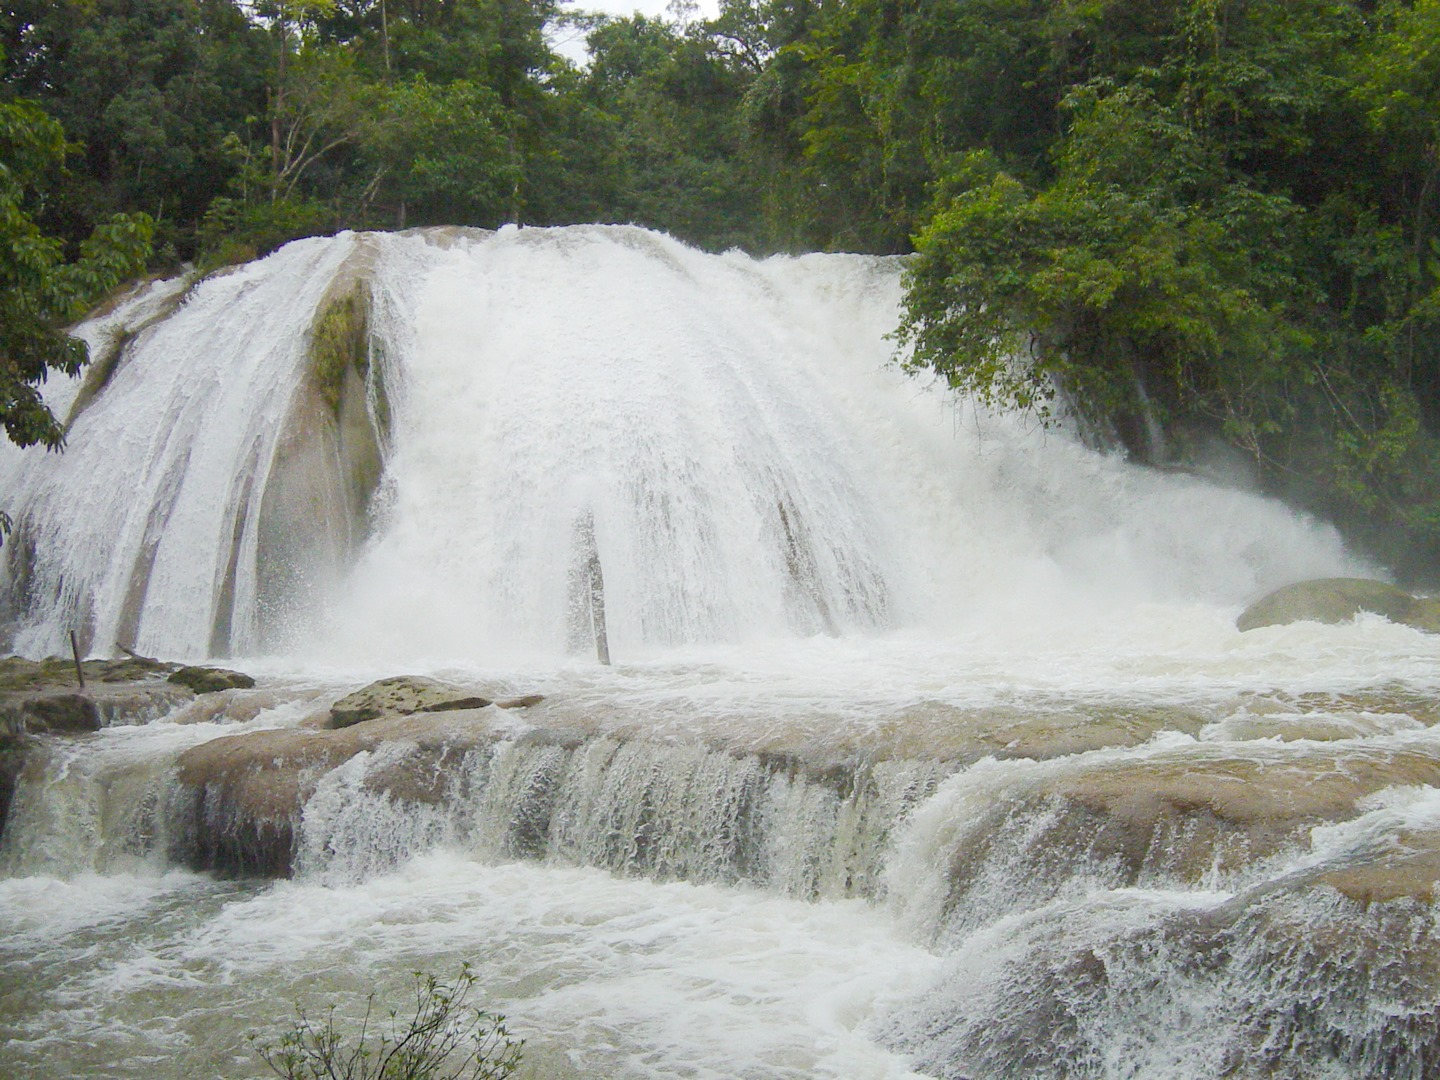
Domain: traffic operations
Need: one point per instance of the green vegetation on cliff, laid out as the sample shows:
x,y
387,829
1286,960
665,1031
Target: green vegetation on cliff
x,y
339,342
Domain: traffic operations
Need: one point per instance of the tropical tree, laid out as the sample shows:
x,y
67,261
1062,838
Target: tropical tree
x,y
41,289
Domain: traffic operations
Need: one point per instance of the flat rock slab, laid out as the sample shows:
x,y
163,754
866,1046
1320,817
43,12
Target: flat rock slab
x,y
43,697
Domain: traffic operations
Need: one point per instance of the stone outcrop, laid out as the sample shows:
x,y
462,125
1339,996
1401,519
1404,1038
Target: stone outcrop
x,y
244,793
326,466
1336,600
1180,818
402,695
43,697
210,680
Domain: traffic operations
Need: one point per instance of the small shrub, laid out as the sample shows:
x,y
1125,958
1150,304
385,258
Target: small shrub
x,y
442,1038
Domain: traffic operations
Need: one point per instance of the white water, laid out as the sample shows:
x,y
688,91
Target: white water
x,y
752,466
758,478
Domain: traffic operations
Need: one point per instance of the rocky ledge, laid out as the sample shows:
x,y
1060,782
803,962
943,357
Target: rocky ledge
x,y
246,792
48,697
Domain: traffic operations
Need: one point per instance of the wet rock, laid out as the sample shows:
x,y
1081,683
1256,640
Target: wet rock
x,y
241,796
62,713
1425,614
68,711
1336,600
401,695
209,680
1175,820
57,673
1413,875
523,702
12,761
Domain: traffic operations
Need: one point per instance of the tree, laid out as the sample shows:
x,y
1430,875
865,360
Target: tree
x,y
41,290
1233,230
440,154
148,89
1145,269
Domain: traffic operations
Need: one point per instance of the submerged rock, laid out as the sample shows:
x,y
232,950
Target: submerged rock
x,y
525,701
1336,600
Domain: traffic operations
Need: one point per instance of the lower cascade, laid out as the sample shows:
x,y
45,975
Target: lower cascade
x,y
625,625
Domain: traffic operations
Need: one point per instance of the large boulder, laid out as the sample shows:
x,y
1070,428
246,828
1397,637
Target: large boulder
x,y
401,695
1336,600
239,798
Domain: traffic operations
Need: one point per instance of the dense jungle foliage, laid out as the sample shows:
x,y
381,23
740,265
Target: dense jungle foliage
x,y
1216,220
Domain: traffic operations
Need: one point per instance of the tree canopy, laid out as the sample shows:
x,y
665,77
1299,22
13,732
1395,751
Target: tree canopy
x,y
41,290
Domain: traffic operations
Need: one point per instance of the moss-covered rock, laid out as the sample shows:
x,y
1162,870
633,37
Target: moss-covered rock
x,y
52,713
43,697
208,680
1425,614
401,695
339,342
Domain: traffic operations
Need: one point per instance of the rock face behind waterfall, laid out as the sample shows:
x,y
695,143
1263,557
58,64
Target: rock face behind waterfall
x,y
328,461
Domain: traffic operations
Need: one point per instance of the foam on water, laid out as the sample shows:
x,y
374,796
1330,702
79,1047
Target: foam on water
x,y
603,976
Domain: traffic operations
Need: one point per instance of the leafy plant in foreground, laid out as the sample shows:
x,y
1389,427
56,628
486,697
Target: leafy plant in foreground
x,y
442,1038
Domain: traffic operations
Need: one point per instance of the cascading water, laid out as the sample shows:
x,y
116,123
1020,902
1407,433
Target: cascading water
x,y
724,434
929,747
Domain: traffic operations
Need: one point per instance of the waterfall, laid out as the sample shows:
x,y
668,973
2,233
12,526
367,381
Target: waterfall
x,y
849,730
726,437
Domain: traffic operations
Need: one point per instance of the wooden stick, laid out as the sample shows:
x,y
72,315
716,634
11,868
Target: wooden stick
x,y
75,652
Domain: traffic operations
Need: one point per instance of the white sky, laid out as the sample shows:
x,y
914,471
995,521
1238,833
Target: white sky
x,y
572,43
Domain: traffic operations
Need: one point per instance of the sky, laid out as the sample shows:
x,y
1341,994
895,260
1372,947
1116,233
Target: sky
x,y
571,43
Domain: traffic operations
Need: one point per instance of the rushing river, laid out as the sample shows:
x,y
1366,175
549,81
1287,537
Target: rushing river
x,y
929,746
